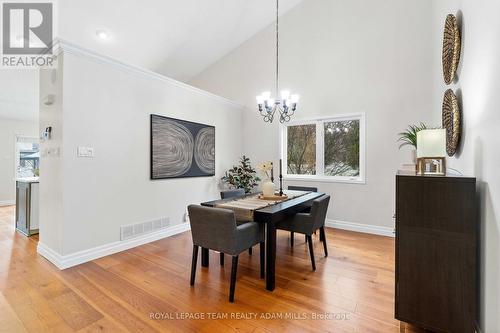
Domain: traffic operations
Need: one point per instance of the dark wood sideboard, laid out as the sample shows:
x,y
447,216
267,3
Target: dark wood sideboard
x,y
437,235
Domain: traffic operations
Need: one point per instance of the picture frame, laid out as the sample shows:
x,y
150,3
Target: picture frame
x,y
180,148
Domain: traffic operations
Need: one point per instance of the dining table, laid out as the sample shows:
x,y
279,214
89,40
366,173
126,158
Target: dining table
x,y
270,215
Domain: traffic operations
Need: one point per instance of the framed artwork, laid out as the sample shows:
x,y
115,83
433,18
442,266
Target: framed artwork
x,y
181,148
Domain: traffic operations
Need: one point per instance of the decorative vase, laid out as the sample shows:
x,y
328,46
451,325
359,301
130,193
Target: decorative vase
x,y
268,188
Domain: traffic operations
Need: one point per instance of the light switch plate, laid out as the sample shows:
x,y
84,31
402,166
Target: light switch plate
x,y
85,152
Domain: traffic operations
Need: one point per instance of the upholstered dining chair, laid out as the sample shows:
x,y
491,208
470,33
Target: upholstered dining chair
x,y
216,229
232,193
307,223
239,192
307,210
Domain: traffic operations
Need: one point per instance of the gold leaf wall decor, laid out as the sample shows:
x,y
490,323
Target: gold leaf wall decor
x,y
451,48
451,121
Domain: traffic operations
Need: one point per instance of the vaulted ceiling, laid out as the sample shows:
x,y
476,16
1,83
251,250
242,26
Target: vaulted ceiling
x,y
176,38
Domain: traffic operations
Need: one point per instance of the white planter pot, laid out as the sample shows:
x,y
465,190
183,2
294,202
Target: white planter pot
x,y
268,189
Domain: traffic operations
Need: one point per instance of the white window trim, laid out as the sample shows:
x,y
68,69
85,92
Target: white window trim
x,y
361,179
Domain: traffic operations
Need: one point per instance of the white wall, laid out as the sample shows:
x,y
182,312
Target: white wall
x,y
384,58
478,85
9,129
51,164
341,57
106,105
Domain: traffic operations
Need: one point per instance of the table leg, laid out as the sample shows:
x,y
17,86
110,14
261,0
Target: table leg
x,y
270,256
204,257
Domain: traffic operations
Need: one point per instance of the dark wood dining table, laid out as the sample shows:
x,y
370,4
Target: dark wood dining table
x,y
270,215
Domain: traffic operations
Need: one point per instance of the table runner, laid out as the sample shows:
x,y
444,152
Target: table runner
x,y
243,208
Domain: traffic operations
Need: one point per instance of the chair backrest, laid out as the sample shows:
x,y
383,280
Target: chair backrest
x,y
232,193
303,188
213,228
319,209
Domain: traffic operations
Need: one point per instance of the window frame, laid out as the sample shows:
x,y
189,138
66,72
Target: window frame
x,y
320,156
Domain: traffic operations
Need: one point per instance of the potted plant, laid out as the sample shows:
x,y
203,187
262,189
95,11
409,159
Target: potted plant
x,y
242,176
409,138
268,186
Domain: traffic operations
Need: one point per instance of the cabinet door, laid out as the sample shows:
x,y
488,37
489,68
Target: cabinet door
x,y
34,210
22,205
436,233
435,285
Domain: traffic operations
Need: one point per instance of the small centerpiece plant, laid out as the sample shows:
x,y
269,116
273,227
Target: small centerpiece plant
x,y
266,168
242,176
268,186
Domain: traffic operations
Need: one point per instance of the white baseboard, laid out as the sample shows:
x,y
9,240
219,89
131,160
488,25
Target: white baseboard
x,y
77,258
358,227
7,203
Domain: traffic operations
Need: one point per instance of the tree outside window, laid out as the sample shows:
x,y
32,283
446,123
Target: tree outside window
x,y
342,148
301,159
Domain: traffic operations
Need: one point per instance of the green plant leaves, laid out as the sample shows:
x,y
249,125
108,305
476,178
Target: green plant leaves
x,y
409,136
242,175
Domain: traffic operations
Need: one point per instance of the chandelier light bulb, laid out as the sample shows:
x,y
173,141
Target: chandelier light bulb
x,y
266,95
285,95
259,99
295,98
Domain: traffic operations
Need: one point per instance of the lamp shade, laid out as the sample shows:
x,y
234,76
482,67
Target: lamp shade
x,y
431,143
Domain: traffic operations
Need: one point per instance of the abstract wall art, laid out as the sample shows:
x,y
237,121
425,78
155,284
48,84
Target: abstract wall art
x,y
451,48
451,121
181,148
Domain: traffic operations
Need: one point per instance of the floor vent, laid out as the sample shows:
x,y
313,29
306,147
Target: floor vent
x,y
134,230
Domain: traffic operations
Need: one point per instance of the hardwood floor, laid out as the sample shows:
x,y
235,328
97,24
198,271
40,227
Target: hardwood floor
x,y
139,290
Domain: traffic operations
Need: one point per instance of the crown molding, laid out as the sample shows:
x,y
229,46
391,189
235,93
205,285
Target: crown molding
x,y
63,46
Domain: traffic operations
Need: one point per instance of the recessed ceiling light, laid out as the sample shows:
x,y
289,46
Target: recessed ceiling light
x,y
101,34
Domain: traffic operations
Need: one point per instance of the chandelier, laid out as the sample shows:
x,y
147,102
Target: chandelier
x,y
285,106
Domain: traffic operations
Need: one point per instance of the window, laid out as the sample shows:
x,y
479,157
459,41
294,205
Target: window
x,y
328,149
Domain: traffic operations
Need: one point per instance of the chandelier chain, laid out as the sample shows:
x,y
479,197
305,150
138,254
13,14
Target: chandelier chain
x,y
287,104
277,47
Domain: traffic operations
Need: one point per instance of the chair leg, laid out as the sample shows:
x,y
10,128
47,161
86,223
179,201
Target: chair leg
x,y
234,267
205,256
306,238
322,234
262,259
292,236
250,251
222,259
311,252
193,264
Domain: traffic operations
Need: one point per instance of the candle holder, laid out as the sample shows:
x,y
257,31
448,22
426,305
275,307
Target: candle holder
x,y
272,172
281,180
